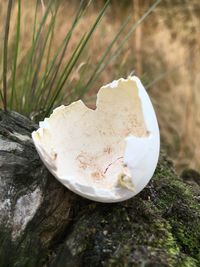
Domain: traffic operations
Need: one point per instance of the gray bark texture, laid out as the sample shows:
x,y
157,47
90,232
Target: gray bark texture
x,y
44,224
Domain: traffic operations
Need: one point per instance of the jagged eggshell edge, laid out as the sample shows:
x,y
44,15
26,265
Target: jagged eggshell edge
x,y
141,154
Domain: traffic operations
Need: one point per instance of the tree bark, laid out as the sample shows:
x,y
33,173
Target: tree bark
x,y
44,224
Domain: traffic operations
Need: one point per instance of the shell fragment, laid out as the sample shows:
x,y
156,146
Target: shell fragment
x,y
108,154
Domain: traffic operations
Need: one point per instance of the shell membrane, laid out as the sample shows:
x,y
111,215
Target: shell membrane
x,y
108,154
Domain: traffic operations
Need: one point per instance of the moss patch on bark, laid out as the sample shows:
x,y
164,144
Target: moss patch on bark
x,y
159,227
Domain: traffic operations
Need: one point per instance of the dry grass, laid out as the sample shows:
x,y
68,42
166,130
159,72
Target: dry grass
x,y
167,60
176,43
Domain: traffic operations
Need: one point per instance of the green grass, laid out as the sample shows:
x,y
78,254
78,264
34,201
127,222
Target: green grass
x,y
41,81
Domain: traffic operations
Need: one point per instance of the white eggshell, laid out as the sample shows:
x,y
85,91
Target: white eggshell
x,y
108,154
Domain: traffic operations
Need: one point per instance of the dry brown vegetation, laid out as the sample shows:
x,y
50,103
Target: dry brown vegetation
x,y
164,52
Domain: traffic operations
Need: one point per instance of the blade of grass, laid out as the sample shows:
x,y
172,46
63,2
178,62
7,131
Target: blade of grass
x,y
50,45
35,20
41,56
78,47
165,74
106,53
66,40
5,54
15,54
61,50
74,59
1,96
28,55
28,70
144,16
118,50
51,82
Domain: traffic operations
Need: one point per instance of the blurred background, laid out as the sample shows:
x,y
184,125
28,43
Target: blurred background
x,y
164,51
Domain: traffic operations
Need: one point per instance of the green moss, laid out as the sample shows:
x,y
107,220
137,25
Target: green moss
x,y
179,206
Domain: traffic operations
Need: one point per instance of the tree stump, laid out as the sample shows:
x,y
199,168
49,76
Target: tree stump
x,y
44,224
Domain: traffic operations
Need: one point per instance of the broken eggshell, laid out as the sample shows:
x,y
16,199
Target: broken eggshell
x,y
108,154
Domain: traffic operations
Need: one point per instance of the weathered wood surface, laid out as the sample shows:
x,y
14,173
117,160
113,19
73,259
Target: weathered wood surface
x,y
44,224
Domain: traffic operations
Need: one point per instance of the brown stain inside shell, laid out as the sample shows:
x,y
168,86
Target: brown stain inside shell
x,y
97,176
108,150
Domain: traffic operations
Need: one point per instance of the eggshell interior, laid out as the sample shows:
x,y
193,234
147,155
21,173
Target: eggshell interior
x,y
90,151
